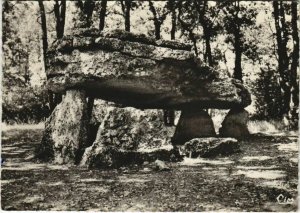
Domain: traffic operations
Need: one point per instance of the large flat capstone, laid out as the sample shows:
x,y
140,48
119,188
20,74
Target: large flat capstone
x,y
137,71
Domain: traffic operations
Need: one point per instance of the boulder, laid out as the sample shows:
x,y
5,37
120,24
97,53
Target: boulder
x,y
65,134
209,147
129,136
235,124
137,71
161,166
193,124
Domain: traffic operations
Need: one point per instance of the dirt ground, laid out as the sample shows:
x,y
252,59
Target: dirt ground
x,y
263,177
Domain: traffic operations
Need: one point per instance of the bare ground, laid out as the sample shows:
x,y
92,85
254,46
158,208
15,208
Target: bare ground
x,y
263,177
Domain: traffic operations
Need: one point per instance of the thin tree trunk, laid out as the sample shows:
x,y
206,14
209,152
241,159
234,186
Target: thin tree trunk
x,y
102,14
63,16
238,73
60,14
57,17
173,29
127,15
282,56
238,58
208,54
157,30
45,47
44,28
294,64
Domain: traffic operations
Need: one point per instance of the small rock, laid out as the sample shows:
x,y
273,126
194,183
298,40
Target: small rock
x,y
146,170
126,193
161,166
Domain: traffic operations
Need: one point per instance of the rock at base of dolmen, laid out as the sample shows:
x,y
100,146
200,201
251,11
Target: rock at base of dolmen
x,y
235,124
209,147
65,130
193,124
129,136
111,157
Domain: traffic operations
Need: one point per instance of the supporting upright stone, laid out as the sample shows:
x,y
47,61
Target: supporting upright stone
x,y
235,124
65,133
193,124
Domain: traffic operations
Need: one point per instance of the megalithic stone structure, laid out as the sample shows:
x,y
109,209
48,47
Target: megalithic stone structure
x,y
235,124
137,71
193,124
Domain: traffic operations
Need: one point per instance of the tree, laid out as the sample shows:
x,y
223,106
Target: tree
x,y
287,63
44,27
266,89
187,21
294,65
51,96
102,14
207,29
86,12
158,19
282,39
126,7
195,14
238,17
173,17
60,15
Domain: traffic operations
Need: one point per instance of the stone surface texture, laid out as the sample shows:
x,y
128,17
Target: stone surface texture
x,y
137,71
209,147
235,124
128,135
193,124
65,132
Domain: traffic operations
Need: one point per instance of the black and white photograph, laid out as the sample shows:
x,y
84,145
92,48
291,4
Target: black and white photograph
x,y
149,106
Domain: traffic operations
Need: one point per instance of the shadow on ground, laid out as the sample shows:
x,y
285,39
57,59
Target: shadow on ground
x,y
263,177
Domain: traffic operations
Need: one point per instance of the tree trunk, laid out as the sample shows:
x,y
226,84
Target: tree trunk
x,y
281,37
63,17
102,14
294,64
44,27
45,47
173,29
157,30
208,54
238,57
169,115
127,15
238,73
60,14
86,12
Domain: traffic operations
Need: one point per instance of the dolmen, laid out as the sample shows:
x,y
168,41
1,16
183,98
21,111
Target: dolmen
x,y
134,72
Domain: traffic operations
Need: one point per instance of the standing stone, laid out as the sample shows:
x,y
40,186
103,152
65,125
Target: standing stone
x,y
65,132
193,124
235,124
128,136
